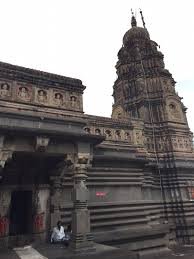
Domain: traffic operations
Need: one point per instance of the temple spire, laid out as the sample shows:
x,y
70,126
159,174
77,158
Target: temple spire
x,y
133,19
142,18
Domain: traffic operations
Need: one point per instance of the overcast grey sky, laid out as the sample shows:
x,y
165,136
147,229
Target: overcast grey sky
x,y
81,38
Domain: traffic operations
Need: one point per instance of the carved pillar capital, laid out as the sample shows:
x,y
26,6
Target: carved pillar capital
x,y
5,153
4,156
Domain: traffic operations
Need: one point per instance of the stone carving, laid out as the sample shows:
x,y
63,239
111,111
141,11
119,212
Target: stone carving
x,y
41,143
126,90
141,86
111,134
108,134
23,93
4,156
97,131
165,143
5,90
139,137
118,113
167,85
58,99
73,101
127,136
118,134
190,189
174,111
87,130
52,97
42,96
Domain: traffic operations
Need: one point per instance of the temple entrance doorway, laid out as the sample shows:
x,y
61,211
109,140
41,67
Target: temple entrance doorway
x,y
28,179
21,213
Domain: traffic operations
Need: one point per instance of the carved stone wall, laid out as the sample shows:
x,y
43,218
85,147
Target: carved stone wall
x,y
42,96
178,143
111,134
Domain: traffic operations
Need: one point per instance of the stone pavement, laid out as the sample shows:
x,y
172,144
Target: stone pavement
x,y
59,251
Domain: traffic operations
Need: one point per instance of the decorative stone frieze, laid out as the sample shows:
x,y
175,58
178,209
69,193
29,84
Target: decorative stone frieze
x,y
162,144
34,95
111,134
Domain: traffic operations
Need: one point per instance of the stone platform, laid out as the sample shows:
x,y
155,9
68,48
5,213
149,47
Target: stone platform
x,y
48,251
102,252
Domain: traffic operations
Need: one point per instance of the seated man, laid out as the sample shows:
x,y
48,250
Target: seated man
x,y
58,234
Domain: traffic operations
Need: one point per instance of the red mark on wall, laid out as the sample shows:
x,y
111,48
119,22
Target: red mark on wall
x,y
192,193
100,194
4,224
39,222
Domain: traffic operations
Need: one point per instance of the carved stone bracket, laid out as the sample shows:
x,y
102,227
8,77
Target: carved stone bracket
x,y
41,143
5,153
4,156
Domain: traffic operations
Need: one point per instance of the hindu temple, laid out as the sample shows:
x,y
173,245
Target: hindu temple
x,y
124,180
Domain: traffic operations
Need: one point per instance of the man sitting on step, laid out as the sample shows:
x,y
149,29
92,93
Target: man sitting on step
x,y
58,234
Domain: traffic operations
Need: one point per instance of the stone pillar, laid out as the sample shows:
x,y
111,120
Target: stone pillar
x,y
81,240
55,199
5,199
41,198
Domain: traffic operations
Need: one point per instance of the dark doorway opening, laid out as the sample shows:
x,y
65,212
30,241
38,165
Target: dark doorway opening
x,y
21,213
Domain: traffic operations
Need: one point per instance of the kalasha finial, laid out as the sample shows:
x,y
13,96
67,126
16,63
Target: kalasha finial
x,y
133,20
142,18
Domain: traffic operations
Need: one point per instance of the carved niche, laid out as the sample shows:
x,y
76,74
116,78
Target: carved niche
x,y
141,86
74,101
118,134
139,138
108,134
174,110
167,85
98,131
118,113
42,96
5,90
24,93
111,134
87,130
58,99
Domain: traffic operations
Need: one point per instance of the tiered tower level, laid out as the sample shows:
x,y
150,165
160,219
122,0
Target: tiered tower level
x,y
145,89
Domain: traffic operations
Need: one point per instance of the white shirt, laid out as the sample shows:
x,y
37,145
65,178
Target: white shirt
x,y
57,235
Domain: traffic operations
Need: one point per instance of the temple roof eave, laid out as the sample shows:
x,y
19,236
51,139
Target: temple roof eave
x,y
38,77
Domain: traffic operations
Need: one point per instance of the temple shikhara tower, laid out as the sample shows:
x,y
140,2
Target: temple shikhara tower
x,y
127,180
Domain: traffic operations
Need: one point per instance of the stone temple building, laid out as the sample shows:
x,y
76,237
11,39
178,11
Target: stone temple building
x,y
127,180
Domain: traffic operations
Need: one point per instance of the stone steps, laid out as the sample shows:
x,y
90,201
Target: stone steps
x,y
109,215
